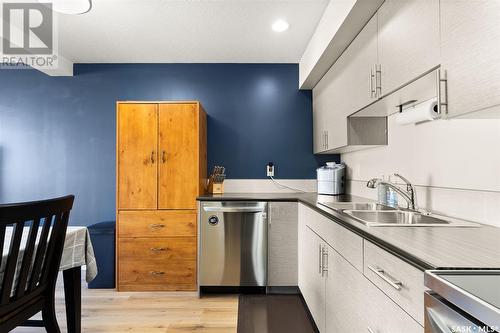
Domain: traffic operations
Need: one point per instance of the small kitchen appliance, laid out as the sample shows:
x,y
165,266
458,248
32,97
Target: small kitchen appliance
x,y
331,178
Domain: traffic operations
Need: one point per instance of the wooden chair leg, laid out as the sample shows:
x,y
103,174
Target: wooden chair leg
x,y
73,298
49,317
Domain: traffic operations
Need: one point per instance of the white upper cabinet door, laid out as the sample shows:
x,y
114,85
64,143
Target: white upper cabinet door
x,y
355,88
319,128
327,104
347,87
470,52
408,41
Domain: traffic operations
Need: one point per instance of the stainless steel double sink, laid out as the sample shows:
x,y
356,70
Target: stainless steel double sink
x,y
377,215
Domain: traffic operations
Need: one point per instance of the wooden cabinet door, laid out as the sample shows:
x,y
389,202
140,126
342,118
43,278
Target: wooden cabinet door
x,y
470,54
408,40
178,156
137,156
311,282
344,297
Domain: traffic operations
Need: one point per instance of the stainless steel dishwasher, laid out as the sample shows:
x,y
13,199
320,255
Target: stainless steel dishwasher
x,y
233,244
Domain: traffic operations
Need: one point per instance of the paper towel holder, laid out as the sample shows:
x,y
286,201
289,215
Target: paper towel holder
x,y
402,105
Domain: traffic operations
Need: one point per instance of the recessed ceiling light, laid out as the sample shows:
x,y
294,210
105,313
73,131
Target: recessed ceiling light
x,y
280,25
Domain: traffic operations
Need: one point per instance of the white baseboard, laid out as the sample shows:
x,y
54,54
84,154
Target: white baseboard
x,y
268,186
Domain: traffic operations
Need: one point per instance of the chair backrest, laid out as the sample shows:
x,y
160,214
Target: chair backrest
x,y
31,263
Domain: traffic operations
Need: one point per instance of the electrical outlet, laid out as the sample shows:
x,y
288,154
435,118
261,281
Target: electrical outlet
x,y
270,169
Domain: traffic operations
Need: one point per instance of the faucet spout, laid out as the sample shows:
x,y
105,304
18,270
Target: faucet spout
x,y
409,195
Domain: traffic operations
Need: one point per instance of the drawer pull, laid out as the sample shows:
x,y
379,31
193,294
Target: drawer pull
x,y
370,330
157,249
157,273
157,225
380,272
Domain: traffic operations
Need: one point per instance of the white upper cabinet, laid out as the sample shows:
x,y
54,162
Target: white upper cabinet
x,y
408,40
345,88
319,126
328,112
470,51
355,88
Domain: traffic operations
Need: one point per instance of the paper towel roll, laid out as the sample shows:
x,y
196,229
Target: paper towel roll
x,y
424,111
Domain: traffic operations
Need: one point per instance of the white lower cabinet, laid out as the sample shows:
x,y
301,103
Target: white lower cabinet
x,y
344,296
282,244
311,283
338,295
382,315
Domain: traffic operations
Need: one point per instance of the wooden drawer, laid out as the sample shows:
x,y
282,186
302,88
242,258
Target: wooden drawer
x,y
344,241
157,223
403,283
142,275
160,249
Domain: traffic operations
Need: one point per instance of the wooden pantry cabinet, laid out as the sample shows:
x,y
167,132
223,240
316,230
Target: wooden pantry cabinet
x,y
161,169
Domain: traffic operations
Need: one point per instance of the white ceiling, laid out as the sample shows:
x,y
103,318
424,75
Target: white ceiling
x,y
203,31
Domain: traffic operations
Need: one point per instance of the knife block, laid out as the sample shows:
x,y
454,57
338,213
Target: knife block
x,y
215,188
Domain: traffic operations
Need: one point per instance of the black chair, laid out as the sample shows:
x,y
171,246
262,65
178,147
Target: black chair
x,y
29,281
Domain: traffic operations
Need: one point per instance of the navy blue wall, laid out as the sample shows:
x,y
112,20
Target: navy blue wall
x,y
57,134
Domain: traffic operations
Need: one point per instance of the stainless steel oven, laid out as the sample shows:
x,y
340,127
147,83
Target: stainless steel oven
x,y
233,244
462,301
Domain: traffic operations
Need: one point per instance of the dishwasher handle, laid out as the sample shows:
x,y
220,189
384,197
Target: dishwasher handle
x,y
235,209
435,322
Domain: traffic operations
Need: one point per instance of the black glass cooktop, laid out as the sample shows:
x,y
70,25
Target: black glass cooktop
x,y
483,285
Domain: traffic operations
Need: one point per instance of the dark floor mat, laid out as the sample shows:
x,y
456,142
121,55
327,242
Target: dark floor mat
x,y
273,314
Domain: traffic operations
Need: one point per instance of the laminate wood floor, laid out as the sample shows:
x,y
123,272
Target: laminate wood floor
x,y
109,311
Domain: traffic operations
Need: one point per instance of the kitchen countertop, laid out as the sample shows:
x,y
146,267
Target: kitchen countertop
x,y
422,247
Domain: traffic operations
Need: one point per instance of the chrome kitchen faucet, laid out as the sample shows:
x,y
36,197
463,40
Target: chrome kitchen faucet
x,y
410,195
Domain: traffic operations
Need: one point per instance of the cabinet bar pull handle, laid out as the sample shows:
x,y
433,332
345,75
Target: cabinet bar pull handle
x,y
157,249
319,259
324,259
163,156
370,330
153,156
157,273
372,89
156,225
378,79
380,272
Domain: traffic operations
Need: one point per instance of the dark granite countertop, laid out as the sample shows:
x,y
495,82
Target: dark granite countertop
x,y
423,247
